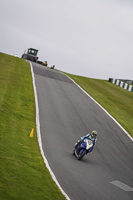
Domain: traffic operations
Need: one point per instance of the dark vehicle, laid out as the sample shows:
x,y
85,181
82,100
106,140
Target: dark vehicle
x,y
31,55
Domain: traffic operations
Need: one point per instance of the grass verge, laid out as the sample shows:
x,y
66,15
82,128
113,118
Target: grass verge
x,y
117,101
23,174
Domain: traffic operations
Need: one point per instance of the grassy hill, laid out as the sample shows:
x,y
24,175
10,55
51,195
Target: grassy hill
x,y
23,174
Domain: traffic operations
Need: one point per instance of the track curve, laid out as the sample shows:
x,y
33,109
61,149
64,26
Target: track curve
x,y
66,113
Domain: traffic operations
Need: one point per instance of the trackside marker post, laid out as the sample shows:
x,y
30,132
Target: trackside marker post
x,y
31,133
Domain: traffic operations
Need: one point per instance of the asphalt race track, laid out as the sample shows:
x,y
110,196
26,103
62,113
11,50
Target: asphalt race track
x,y
67,113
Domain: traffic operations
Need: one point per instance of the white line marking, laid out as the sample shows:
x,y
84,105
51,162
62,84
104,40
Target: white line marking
x,y
102,108
39,135
122,186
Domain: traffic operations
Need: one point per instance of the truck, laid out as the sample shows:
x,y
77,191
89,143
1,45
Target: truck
x,y
31,55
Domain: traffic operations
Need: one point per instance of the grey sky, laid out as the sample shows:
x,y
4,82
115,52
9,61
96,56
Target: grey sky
x,y
92,38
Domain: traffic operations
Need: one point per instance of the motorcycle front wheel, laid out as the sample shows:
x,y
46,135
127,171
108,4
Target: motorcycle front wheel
x,y
81,155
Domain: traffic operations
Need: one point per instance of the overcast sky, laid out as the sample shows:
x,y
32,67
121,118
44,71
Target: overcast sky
x,y
92,38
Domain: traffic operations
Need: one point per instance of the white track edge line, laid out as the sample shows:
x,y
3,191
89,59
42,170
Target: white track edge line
x,y
39,136
102,108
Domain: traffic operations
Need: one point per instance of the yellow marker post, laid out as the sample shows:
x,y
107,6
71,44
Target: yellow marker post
x,y
31,134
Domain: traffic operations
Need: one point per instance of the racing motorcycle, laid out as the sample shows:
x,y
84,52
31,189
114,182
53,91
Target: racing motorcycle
x,y
83,148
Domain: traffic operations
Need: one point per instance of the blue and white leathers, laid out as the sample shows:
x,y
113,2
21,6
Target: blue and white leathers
x,y
89,137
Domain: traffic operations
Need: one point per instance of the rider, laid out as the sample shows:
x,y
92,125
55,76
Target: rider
x,y
91,136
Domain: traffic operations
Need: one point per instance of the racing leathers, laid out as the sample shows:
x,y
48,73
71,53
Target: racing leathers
x,y
89,137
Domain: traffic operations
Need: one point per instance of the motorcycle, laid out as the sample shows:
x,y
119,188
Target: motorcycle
x,y
83,148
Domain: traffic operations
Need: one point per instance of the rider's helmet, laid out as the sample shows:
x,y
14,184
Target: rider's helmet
x,y
94,134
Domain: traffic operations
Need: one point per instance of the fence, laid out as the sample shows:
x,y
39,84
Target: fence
x,y
121,84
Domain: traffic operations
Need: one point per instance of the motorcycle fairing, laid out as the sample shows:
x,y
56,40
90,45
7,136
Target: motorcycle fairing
x,y
86,144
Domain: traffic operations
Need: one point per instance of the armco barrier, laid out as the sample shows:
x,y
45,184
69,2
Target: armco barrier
x,y
121,84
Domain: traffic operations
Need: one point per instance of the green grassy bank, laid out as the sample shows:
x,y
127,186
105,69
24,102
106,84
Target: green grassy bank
x,y
23,174
117,101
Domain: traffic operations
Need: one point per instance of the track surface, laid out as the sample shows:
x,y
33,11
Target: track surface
x,y
67,113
